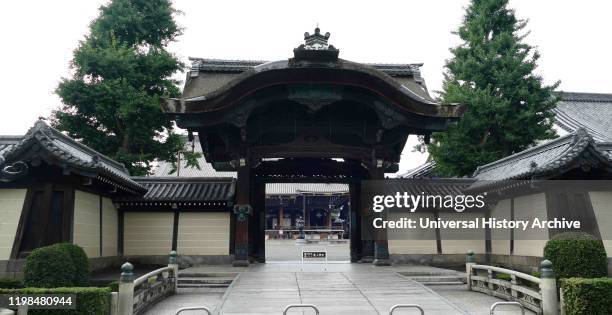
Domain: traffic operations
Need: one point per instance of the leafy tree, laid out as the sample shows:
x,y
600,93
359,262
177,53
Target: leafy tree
x,y
122,72
491,71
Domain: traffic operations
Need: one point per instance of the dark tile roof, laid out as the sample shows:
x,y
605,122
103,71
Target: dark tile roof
x,y
46,143
238,66
445,186
306,189
164,168
587,110
223,65
7,143
548,159
425,170
182,190
590,111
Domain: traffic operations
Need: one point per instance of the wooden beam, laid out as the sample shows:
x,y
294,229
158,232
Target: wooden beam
x,y
25,212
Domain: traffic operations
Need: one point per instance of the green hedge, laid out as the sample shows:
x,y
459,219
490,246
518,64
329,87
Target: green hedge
x,y
576,254
114,286
48,267
6,283
58,265
587,296
89,301
80,261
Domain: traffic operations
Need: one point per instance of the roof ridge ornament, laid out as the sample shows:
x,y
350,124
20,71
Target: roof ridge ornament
x,y
316,47
316,41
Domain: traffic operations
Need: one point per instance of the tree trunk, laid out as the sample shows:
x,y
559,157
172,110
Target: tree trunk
x,y
125,143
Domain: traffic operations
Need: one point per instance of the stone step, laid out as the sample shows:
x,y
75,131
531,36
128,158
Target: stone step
x,y
201,290
449,278
433,283
431,273
205,280
206,275
203,285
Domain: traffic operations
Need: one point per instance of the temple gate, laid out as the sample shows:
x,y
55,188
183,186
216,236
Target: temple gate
x,y
314,118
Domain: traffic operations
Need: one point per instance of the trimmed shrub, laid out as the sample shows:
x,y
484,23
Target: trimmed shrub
x,y
80,261
89,301
6,283
573,236
114,286
48,267
587,296
576,254
57,265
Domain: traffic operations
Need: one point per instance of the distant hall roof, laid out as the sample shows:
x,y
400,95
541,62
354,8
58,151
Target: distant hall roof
x,y
590,111
186,189
547,159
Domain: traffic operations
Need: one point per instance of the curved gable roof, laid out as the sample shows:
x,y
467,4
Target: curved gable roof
x,y
213,85
546,159
43,142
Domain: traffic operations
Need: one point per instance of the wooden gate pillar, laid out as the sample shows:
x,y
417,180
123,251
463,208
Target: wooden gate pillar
x,y
381,246
242,211
355,221
258,224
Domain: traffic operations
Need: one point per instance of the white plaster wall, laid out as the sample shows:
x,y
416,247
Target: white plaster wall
x,y
110,228
87,222
530,242
412,241
500,238
602,206
11,204
147,233
459,241
203,233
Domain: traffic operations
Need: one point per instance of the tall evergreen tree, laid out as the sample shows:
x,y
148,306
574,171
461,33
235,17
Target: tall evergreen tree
x,y
492,73
121,73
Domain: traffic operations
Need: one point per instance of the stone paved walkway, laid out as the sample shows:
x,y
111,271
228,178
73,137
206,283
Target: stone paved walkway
x,y
341,289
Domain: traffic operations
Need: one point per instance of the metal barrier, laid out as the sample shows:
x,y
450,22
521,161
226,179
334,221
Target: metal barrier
x,y
394,307
496,304
301,306
193,308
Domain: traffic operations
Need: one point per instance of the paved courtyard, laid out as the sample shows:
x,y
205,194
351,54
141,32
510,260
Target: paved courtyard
x,y
343,289
338,288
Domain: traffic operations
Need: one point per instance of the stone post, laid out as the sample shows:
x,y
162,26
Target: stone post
x,y
173,263
470,261
114,306
548,286
126,290
381,245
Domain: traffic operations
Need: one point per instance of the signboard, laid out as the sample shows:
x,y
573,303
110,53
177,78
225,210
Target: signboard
x,y
314,254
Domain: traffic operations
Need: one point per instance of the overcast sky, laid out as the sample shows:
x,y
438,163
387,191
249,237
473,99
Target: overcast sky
x,y
38,37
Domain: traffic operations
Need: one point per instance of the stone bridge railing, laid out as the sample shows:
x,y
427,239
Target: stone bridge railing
x,y
136,295
536,294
